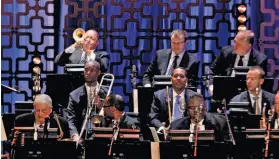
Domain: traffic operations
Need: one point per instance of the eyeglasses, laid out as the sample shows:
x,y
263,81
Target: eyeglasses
x,y
177,43
178,75
106,106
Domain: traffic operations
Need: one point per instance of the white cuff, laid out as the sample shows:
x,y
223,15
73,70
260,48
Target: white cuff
x,y
160,129
147,85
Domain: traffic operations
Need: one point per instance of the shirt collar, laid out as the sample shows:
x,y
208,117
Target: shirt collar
x,y
181,94
180,55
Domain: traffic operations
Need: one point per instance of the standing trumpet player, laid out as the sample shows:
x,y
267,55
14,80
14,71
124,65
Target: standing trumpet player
x,y
84,49
255,95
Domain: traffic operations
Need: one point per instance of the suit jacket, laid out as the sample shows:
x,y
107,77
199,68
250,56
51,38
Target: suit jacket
x,y
74,58
214,122
128,122
223,65
159,66
77,108
28,119
267,98
159,107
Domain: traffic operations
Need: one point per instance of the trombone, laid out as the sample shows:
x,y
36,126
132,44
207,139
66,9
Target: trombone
x,y
98,117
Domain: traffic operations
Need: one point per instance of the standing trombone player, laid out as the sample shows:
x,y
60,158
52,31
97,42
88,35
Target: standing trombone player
x,y
84,49
82,98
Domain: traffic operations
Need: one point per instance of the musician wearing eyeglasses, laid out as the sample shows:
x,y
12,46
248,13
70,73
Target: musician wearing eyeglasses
x,y
82,98
201,119
114,107
42,117
255,95
83,50
170,105
167,59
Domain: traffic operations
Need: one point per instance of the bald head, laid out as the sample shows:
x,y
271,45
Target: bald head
x,y
91,39
91,72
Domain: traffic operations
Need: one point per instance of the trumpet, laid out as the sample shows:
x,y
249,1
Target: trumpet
x,y
79,35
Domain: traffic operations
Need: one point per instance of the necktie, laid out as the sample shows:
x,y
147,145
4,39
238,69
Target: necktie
x,y
41,126
84,59
175,61
173,66
240,62
256,107
176,112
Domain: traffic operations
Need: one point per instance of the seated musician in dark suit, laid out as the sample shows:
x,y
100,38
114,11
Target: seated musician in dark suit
x,y
80,55
178,94
114,107
240,54
82,98
42,110
254,81
198,116
167,59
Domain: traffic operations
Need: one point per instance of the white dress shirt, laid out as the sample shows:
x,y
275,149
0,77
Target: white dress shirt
x,y
245,61
276,123
93,89
172,59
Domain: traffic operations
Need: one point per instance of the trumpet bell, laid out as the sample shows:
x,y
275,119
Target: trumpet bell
x,y
78,34
97,119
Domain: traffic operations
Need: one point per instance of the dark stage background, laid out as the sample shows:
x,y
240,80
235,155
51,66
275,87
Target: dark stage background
x,y
131,32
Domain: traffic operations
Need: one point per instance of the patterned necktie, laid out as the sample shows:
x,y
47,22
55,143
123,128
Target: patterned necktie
x,y
84,59
41,126
240,62
176,112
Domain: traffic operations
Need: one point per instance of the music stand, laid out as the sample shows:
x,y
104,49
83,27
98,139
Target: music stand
x,y
227,87
161,81
241,71
74,68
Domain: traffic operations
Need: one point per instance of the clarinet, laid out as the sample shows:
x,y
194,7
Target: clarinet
x,y
267,138
228,122
197,131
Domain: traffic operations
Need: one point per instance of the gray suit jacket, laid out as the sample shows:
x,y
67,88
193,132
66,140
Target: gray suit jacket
x,y
160,64
74,58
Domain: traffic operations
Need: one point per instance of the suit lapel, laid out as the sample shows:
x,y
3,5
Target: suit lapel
x,y
207,122
252,59
186,99
166,60
247,98
231,63
185,60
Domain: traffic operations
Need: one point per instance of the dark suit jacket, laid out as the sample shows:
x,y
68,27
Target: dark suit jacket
x,y
160,64
159,107
28,119
224,63
267,98
128,122
214,122
77,107
74,58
